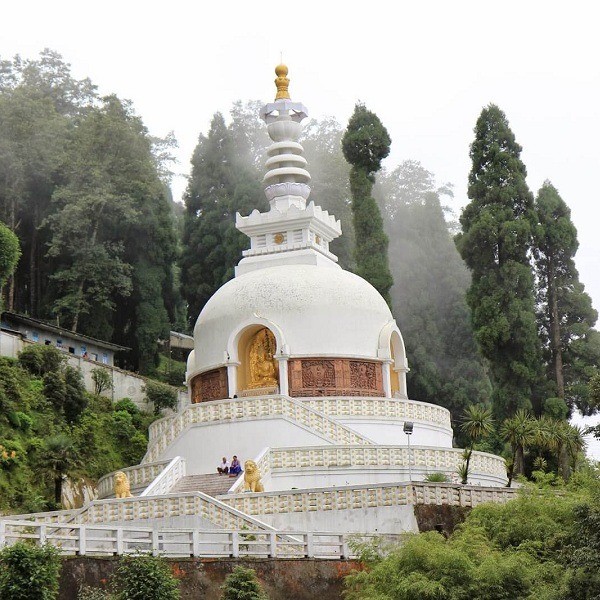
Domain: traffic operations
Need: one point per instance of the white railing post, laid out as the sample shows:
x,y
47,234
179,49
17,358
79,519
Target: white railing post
x,y
82,539
43,533
272,544
235,544
119,541
195,543
344,549
155,542
310,545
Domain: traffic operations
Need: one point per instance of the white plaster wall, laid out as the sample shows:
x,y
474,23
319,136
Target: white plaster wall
x,y
10,345
319,477
320,311
381,519
203,446
389,432
125,383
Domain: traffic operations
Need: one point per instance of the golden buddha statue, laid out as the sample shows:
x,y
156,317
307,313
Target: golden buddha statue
x,y
263,367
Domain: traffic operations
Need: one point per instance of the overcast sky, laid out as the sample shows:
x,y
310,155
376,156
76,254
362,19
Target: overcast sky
x,y
426,68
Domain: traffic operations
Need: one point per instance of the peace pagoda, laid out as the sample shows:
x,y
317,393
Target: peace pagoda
x,y
299,369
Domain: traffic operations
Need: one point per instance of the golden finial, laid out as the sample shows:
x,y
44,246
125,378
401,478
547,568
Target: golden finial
x,y
282,82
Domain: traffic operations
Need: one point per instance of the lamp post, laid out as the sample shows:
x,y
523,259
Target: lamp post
x,y
408,429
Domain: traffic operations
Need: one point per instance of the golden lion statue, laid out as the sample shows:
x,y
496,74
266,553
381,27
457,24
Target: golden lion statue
x,y
122,485
252,480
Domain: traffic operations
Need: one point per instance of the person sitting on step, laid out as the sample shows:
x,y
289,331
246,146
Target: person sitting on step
x,y
236,467
223,468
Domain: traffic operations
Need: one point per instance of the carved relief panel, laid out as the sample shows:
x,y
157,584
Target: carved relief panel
x,y
334,377
211,385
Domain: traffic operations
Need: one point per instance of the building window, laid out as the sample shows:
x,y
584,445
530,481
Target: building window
x,y
94,356
71,350
35,336
59,344
105,358
47,342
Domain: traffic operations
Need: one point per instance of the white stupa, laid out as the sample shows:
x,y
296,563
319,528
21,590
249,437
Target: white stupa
x,y
299,366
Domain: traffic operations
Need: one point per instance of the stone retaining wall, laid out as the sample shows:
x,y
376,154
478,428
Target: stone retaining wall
x,y
282,579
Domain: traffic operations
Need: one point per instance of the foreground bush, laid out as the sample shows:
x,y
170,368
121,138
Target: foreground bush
x,y
144,578
242,584
29,572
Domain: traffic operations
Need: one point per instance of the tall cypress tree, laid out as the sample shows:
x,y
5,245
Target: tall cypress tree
x,y
365,144
572,347
496,241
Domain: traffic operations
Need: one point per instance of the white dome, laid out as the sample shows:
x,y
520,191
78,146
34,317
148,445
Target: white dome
x,y
312,310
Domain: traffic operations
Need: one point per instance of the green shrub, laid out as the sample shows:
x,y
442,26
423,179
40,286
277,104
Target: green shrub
x,y
144,578
29,572
39,360
127,405
102,380
90,593
242,584
437,478
161,396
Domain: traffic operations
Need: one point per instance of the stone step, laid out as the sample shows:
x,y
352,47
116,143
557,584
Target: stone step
x,y
212,484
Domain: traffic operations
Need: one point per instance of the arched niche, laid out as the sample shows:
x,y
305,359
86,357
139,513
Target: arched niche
x,y
391,348
258,368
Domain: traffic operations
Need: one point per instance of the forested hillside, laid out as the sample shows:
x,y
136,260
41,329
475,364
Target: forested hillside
x,y
85,188
50,427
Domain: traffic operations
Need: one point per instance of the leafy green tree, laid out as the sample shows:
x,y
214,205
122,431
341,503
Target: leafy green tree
x,y
60,457
39,104
161,396
330,186
9,255
29,572
39,360
102,380
566,312
365,144
584,580
428,298
144,578
496,241
242,584
220,186
477,424
519,431
75,394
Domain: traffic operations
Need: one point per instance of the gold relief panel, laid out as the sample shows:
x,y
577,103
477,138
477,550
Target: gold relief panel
x,y
310,377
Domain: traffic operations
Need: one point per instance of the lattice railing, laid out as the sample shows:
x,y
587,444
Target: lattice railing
x,y
429,459
98,540
366,496
267,407
381,408
158,507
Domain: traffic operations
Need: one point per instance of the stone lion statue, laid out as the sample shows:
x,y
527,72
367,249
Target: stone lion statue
x,y
252,480
122,485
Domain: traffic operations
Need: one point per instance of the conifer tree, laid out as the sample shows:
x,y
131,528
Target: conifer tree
x,y
566,313
365,144
428,296
496,241
219,187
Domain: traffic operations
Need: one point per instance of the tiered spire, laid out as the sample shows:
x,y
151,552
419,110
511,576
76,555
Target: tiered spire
x,y
302,232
